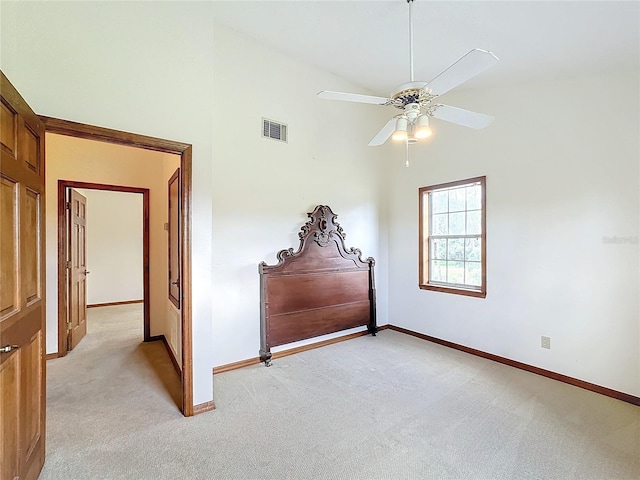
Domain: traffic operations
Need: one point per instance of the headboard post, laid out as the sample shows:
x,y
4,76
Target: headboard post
x,y
265,352
373,322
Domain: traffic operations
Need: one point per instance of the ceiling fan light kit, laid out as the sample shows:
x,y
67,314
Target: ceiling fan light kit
x,y
416,99
423,130
400,132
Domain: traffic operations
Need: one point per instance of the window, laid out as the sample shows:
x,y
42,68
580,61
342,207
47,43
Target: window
x,y
453,237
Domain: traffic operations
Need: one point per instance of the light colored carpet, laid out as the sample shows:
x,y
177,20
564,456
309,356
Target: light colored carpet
x,y
388,407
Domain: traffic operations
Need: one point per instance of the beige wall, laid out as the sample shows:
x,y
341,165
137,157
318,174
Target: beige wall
x,y
114,246
98,162
172,328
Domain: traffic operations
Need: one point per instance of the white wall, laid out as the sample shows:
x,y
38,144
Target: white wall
x,y
562,176
262,189
113,64
143,67
114,246
561,164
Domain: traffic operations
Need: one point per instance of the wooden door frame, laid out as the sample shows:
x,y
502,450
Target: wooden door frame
x,y
63,286
90,132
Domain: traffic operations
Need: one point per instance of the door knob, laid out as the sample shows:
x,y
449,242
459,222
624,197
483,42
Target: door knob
x,y
175,283
86,272
8,348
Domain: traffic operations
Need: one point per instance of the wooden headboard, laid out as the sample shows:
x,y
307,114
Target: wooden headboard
x,y
322,288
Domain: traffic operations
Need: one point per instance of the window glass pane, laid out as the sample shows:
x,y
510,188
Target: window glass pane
x,y
439,201
438,271
473,197
456,223
440,224
474,222
472,249
455,272
455,249
451,224
439,249
456,199
473,273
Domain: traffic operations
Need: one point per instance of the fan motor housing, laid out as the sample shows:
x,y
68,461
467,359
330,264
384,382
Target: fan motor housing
x,y
409,93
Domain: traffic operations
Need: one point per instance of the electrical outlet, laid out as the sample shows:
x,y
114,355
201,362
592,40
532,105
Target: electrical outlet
x,y
545,342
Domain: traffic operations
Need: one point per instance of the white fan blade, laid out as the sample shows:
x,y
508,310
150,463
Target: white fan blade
x,y
462,117
466,67
384,133
352,97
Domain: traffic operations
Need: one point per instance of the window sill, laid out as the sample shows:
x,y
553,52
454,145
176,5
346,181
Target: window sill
x,y
455,291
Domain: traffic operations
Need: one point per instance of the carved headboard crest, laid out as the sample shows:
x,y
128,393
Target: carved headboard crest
x,y
321,226
322,229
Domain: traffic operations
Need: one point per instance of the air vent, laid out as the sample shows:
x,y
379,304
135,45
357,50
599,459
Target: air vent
x,y
274,130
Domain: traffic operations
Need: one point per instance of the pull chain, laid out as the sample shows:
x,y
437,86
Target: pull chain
x,y
406,163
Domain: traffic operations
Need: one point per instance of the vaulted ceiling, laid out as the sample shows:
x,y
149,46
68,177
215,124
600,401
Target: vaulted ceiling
x,y
367,42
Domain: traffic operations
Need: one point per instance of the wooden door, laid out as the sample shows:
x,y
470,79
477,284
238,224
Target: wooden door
x,y
22,288
77,268
175,285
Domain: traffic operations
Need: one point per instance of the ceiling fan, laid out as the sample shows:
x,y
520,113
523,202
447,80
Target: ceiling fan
x,y
416,99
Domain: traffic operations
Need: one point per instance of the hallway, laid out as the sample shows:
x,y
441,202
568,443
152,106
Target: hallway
x,y
111,378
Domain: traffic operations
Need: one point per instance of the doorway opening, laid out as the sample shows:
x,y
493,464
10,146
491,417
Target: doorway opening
x,y
64,304
88,132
